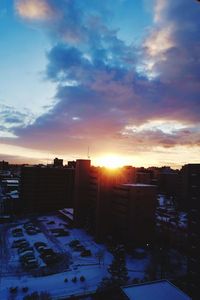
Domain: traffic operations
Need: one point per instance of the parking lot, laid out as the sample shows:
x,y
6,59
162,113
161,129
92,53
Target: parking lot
x,y
40,250
45,245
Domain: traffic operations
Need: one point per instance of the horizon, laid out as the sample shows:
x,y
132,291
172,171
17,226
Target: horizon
x,y
108,166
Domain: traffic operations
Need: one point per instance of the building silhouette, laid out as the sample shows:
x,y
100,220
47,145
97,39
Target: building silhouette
x,y
45,189
191,192
57,162
108,205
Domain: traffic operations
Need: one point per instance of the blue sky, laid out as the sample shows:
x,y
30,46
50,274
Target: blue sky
x,y
24,47
23,61
120,76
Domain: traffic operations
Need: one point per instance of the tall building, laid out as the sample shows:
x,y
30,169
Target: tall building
x,y
105,206
81,183
45,189
191,193
133,214
168,183
106,181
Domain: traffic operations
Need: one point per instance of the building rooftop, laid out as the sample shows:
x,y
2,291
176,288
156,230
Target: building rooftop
x,y
68,212
137,184
10,181
157,290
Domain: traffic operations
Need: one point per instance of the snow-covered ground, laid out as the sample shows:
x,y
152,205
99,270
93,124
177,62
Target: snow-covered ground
x,y
166,213
60,283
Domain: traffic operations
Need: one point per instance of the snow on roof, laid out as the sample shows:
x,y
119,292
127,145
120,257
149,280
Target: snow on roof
x,y
68,212
71,210
14,181
157,290
137,184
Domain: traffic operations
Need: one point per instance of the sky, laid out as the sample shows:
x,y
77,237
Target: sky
x,y
120,78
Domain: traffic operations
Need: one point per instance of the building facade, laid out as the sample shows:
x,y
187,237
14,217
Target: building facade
x,y
191,191
45,189
108,205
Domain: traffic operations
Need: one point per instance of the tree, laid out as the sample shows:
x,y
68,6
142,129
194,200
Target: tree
x,y
117,268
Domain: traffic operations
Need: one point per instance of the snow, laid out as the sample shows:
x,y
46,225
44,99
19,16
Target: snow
x,y
167,214
14,181
161,200
158,290
55,284
68,212
89,267
137,185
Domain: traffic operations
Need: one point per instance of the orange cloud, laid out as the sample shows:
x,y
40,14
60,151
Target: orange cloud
x,y
38,10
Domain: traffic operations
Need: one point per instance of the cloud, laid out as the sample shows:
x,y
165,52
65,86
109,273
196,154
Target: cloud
x,y
173,44
11,118
144,137
39,10
105,94
62,19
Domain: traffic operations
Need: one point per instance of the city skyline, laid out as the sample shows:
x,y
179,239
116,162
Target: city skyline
x,y
120,78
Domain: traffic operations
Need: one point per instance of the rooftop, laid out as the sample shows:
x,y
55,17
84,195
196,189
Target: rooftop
x,y
137,185
157,290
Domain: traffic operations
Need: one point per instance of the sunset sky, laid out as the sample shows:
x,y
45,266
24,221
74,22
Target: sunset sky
x,y
121,77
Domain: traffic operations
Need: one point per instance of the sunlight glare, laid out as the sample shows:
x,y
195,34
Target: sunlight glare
x,y
112,161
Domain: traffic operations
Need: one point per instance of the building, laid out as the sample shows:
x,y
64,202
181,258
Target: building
x,y
107,207
169,182
143,176
157,290
57,162
93,193
101,189
4,165
81,184
191,193
133,214
45,189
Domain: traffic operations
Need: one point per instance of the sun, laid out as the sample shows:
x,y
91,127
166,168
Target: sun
x,y
111,161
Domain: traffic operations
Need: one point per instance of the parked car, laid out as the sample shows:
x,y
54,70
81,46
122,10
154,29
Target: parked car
x,y
31,264
27,254
39,244
17,243
74,243
17,232
86,253
50,222
24,249
31,231
79,248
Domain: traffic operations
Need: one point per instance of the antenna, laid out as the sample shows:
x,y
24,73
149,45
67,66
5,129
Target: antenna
x,y
88,153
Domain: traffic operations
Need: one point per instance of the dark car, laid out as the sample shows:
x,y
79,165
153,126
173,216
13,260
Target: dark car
x,y
17,243
86,253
